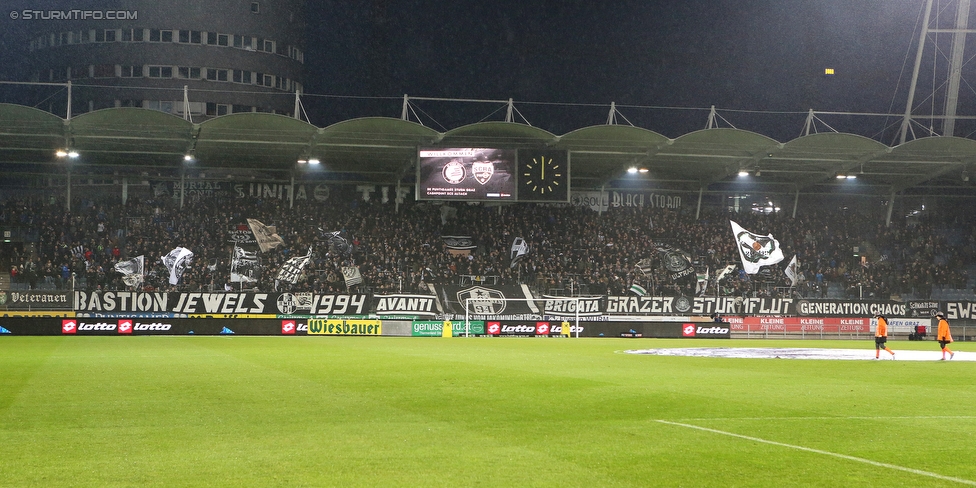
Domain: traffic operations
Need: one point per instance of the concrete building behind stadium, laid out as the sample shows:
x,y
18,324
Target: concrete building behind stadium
x,y
231,55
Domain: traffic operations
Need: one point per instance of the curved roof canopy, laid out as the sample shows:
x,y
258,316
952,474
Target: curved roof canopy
x,y
383,151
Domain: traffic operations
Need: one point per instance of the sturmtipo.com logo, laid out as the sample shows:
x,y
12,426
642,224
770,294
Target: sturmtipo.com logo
x,y
74,14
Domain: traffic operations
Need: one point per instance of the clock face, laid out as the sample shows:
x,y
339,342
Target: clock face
x,y
543,176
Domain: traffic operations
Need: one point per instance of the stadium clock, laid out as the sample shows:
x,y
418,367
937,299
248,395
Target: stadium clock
x,y
543,176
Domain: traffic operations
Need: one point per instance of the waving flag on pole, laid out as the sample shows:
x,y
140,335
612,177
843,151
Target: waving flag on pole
x,y
176,262
132,270
243,266
292,269
791,271
755,250
266,235
519,248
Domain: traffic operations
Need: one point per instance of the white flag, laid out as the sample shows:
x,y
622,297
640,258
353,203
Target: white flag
x,y
132,270
519,248
702,282
266,235
352,275
791,271
726,270
755,250
176,262
292,269
243,266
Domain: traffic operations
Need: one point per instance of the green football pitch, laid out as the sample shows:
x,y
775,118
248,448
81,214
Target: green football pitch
x,y
385,411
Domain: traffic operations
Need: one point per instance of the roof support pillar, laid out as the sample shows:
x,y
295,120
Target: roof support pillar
x,y
182,185
711,118
891,207
509,115
906,122
186,104
298,104
405,111
809,123
125,189
68,111
291,191
701,190
67,201
796,201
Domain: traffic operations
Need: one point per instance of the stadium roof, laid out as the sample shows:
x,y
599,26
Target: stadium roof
x,y
135,141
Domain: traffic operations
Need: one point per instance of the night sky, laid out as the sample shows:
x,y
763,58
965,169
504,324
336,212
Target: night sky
x,y
564,61
748,55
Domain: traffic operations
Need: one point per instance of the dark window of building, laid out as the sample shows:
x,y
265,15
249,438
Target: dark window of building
x,y
221,75
255,8
132,71
242,108
269,46
104,71
160,71
110,35
130,103
167,36
85,36
211,38
126,35
154,35
195,37
138,35
223,40
247,77
268,80
238,76
211,74
185,36
99,35
183,72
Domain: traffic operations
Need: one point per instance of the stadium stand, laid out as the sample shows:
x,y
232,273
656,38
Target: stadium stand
x,y
574,250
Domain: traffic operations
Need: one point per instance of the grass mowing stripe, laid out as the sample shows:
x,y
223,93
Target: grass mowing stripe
x,y
825,453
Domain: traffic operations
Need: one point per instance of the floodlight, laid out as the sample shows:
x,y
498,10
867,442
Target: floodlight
x,y
743,173
643,170
631,170
314,161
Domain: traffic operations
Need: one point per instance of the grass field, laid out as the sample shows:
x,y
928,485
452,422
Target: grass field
x,y
368,411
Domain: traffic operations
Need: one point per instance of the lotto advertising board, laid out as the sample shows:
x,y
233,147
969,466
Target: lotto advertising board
x,y
674,330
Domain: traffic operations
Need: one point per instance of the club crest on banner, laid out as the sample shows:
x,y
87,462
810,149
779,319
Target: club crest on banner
x,y
482,300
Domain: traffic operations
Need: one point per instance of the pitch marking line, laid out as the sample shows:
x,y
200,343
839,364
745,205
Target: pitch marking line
x,y
912,417
825,453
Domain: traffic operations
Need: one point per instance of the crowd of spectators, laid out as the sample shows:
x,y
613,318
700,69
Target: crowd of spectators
x,y
399,248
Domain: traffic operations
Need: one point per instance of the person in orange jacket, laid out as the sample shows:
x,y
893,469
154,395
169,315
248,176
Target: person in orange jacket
x,y
881,337
944,336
